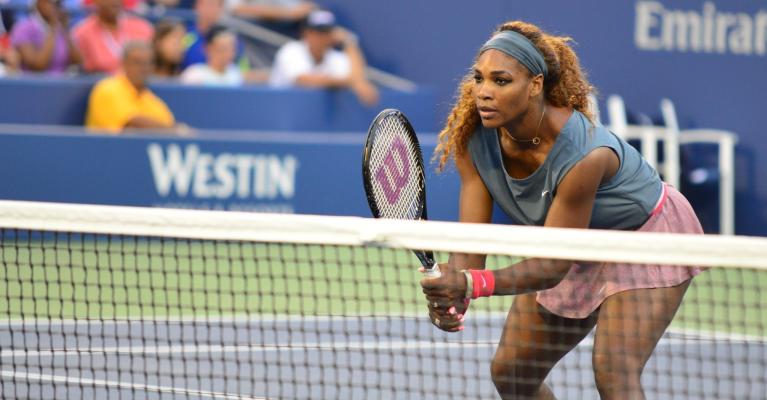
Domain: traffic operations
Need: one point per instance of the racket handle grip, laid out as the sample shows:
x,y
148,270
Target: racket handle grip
x,y
433,272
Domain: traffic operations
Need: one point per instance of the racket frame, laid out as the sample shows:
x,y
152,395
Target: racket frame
x,y
426,257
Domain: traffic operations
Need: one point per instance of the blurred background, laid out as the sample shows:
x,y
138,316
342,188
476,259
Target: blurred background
x,y
240,121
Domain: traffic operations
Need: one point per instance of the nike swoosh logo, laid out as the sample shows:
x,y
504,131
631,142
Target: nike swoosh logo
x,y
484,284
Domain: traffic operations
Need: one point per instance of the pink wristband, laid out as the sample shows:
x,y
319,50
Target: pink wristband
x,y
484,283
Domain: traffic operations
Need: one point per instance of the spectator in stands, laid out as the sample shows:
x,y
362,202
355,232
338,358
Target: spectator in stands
x,y
314,62
9,61
272,10
168,44
43,40
123,101
139,6
220,49
101,36
130,5
6,67
9,58
163,3
209,13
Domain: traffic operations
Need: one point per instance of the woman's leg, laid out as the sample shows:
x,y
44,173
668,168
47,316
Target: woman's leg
x,y
629,326
533,340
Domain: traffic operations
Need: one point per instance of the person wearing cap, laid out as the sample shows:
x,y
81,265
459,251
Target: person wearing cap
x,y
315,62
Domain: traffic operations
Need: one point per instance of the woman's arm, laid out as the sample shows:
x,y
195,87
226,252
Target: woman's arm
x,y
73,53
474,205
571,208
75,58
38,59
273,12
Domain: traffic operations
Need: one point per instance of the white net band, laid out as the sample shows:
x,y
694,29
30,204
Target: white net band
x,y
518,241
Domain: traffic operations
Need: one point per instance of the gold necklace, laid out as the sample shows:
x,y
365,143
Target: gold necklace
x,y
536,140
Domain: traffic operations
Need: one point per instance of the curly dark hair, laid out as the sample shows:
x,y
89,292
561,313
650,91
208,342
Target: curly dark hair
x,y
565,86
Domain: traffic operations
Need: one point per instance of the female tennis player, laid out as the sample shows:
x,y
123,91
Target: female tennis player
x,y
521,134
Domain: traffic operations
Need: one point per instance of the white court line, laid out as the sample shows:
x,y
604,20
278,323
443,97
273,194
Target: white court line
x,y
492,317
27,376
268,318
671,338
215,349
713,336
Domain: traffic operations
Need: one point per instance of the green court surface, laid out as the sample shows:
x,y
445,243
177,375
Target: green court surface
x,y
104,278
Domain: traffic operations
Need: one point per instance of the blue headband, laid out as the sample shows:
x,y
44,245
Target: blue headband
x,y
519,47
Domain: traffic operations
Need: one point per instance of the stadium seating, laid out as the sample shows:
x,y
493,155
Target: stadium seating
x,y
671,168
63,102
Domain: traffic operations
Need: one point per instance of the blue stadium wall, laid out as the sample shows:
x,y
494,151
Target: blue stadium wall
x,y
64,101
631,48
311,173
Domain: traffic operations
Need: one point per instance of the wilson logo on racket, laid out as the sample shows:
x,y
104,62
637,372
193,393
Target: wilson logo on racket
x,y
390,175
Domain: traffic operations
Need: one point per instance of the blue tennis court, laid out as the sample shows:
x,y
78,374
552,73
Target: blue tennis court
x,y
329,357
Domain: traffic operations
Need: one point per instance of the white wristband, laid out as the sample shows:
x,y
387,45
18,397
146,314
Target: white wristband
x,y
469,284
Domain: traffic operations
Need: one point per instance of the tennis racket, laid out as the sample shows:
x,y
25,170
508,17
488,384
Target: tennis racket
x,y
393,175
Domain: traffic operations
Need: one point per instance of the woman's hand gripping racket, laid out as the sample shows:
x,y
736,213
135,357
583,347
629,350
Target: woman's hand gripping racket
x,y
393,175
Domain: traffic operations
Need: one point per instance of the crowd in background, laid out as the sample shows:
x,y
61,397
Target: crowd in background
x,y
112,39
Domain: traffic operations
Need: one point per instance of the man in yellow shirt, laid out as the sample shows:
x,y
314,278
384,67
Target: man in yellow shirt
x,y
123,101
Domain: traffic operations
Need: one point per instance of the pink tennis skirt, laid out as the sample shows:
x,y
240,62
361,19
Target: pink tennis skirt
x,y
586,286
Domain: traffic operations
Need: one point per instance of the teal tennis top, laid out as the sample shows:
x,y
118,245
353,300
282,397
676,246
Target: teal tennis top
x,y
623,202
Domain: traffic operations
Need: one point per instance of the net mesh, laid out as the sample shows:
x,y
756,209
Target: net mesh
x,y
221,305
396,170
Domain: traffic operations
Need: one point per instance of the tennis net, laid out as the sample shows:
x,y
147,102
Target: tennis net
x,y
123,302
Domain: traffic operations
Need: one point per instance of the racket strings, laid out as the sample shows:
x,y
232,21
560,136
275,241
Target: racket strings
x,y
397,171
